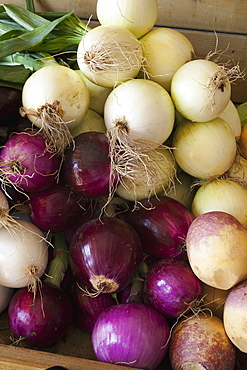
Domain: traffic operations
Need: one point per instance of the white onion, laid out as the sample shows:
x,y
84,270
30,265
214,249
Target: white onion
x,y
222,195
201,90
55,98
156,177
109,55
231,116
165,50
143,109
183,190
92,122
204,149
137,16
98,94
23,255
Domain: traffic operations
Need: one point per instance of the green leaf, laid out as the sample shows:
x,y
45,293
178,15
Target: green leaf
x,y
14,74
29,39
10,34
25,18
242,111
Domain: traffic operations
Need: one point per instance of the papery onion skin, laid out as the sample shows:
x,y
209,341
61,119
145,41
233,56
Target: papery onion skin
x,y
47,314
162,229
87,166
200,90
27,164
26,258
172,287
105,253
134,335
200,342
216,244
204,150
56,208
234,315
226,195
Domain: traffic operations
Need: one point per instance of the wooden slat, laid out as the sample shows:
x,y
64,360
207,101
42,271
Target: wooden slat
x,y
15,358
216,15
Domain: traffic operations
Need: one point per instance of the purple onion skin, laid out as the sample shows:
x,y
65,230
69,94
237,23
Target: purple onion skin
x,y
88,308
87,165
163,229
37,168
48,314
55,208
171,287
134,335
106,247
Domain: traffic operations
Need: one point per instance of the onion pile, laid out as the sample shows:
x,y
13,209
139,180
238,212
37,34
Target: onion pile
x,y
123,198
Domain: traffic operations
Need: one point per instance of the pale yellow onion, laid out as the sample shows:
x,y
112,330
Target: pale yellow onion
x,y
98,94
231,116
204,149
165,50
109,55
92,122
213,300
183,190
56,83
159,177
222,195
143,108
200,90
137,16
238,169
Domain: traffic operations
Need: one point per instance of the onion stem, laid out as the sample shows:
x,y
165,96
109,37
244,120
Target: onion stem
x,y
59,264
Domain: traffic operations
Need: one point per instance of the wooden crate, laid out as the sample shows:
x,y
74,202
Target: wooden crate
x,y
203,22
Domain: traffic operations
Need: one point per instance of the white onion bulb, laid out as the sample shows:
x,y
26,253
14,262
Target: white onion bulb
x,y
23,255
200,90
109,55
165,50
137,16
231,116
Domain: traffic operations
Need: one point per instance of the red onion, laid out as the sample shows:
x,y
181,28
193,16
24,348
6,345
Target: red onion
x,y
27,164
56,208
105,254
87,165
88,308
134,335
162,228
43,318
171,287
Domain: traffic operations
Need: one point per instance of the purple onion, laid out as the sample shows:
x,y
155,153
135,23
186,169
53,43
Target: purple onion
x,y
133,335
105,253
42,319
87,165
26,163
88,308
162,228
171,287
56,208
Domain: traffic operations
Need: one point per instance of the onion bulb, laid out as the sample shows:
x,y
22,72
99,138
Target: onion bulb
x,y
201,90
93,121
23,255
213,300
109,55
165,50
231,116
154,176
204,149
135,15
216,245
225,195
55,98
